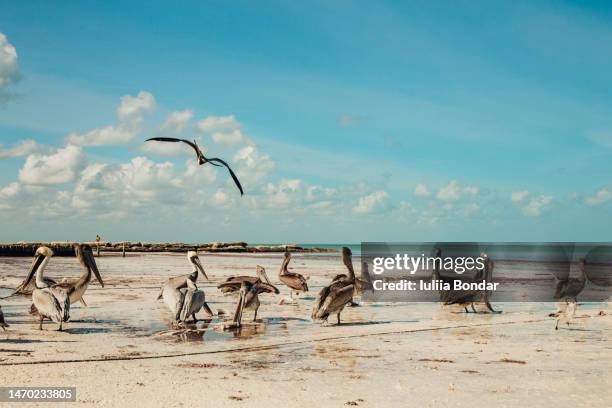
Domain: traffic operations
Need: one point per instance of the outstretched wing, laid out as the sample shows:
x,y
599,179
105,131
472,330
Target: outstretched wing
x,y
217,160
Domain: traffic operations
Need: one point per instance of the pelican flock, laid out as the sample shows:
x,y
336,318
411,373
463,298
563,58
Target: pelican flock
x,y
52,300
215,161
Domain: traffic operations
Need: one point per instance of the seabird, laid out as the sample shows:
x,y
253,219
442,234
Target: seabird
x,y
201,158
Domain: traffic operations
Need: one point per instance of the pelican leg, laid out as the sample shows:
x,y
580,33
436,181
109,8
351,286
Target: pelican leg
x,y
338,316
473,309
490,307
60,326
195,320
557,325
83,302
466,309
40,321
255,315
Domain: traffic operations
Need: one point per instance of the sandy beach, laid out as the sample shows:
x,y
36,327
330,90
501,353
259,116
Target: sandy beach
x,y
122,351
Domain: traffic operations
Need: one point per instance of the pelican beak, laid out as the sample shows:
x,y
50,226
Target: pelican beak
x,y
198,264
263,276
91,264
33,268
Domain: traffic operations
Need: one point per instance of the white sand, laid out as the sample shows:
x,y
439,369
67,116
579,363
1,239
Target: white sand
x,y
386,355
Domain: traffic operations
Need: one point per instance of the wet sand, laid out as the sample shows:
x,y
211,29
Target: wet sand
x,y
121,350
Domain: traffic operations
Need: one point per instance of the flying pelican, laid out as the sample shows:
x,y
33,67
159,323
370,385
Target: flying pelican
x,y
333,298
180,282
294,281
51,302
250,289
568,289
76,289
201,158
2,322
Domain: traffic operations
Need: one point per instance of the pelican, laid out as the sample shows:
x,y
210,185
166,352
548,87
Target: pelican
x,y
235,281
333,298
568,289
2,322
51,302
180,282
76,289
249,288
201,159
186,301
294,281
465,297
360,284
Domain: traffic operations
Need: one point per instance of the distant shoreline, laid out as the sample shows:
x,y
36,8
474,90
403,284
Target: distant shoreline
x,y
66,248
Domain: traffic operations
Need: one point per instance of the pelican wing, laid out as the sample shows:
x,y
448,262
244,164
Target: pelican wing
x,y
294,280
231,172
261,287
47,305
321,296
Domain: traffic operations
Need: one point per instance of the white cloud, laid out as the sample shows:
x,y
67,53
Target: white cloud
x,y
132,108
519,196
22,148
453,192
228,138
376,202
421,191
9,72
599,198
130,113
251,165
537,205
60,167
175,123
218,123
121,187
8,194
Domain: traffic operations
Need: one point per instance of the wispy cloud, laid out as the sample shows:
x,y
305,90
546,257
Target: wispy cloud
x,y
599,198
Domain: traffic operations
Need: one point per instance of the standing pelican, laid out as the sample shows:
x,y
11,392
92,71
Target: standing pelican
x,y
76,289
249,288
294,281
201,159
2,322
232,284
185,302
568,289
333,298
51,302
465,297
180,282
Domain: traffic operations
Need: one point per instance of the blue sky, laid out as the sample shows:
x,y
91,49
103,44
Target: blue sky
x,y
347,121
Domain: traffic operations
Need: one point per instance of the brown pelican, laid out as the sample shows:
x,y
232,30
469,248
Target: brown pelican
x,y
180,282
185,302
201,159
294,281
568,289
2,322
51,302
76,289
465,297
249,288
333,298
236,280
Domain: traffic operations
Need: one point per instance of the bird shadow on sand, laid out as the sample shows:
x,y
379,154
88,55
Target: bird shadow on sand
x,y
350,324
15,351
